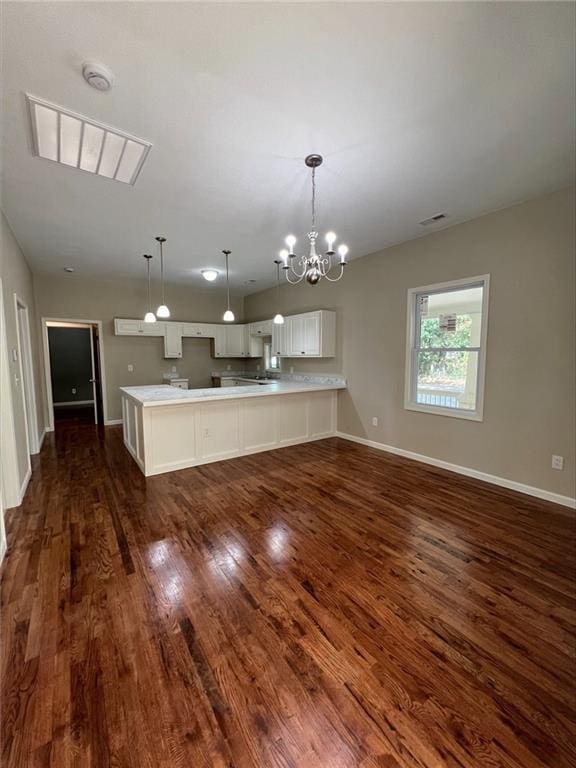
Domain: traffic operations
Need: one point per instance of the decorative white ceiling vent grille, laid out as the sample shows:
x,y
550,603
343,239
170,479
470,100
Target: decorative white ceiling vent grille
x,y
78,142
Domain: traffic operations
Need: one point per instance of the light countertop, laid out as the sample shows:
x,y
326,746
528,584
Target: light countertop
x,y
164,394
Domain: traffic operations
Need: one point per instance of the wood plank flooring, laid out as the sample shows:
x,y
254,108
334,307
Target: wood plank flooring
x,y
322,606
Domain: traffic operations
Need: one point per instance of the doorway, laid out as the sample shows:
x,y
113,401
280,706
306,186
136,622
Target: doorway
x,y
74,372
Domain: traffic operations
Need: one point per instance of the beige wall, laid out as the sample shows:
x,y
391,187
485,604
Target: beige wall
x,y
17,278
72,297
528,250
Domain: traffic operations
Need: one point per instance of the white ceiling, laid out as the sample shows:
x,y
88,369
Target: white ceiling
x,y
417,107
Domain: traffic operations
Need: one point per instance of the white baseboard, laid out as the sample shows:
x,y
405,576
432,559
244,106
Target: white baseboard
x,y
540,493
24,485
41,440
112,422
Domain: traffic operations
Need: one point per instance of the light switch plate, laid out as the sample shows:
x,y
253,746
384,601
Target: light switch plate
x,y
130,368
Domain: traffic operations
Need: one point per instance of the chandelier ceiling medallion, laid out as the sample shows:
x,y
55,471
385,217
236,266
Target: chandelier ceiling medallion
x,y
313,267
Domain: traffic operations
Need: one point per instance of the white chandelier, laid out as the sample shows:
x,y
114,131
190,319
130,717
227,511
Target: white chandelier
x,y
313,267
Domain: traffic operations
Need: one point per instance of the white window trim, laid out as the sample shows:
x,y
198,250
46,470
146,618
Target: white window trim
x,y
409,403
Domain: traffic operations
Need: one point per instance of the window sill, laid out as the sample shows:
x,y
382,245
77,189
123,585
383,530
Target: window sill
x,y
436,410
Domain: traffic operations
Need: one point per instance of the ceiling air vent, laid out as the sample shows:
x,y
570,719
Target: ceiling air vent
x,y
79,142
433,219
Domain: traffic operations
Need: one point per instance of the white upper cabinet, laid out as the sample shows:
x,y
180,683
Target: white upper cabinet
x,y
281,338
173,340
200,330
311,334
137,328
235,341
261,328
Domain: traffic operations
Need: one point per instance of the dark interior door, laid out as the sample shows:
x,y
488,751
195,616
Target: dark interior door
x,y
97,375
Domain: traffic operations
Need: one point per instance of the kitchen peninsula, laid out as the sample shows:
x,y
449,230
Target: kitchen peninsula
x,y
166,428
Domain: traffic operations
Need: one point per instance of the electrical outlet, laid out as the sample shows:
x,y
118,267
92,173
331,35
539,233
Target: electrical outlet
x,y
228,367
206,433
258,367
557,462
73,390
374,421
130,368
174,369
291,369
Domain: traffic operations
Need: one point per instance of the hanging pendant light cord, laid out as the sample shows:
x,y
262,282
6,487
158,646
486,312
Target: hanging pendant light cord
x,y
278,285
227,253
314,199
149,289
162,274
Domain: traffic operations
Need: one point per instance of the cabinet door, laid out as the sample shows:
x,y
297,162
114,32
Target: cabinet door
x,y
199,330
126,327
255,346
296,347
261,328
173,340
137,328
282,338
311,334
220,342
151,329
235,341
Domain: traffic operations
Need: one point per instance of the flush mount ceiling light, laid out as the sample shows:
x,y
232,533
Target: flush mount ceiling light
x,y
209,274
79,142
312,267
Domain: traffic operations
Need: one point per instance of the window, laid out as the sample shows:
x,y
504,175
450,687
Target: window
x,y
271,362
446,348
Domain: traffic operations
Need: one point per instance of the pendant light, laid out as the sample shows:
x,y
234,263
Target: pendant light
x,y
228,316
149,317
278,317
162,310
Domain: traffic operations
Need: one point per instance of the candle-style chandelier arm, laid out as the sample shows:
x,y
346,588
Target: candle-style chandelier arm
x,y
288,269
335,279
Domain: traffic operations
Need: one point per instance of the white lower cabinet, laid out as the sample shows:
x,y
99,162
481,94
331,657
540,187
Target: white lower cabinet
x,y
165,438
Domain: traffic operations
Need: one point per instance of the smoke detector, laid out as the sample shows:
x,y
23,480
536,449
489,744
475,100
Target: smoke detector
x,y
97,75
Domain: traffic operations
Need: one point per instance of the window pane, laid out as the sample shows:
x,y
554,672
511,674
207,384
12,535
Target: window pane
x,y
447,379
451,318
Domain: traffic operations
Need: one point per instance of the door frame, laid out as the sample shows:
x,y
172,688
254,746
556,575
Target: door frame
x,y
11,484
26,367
47,372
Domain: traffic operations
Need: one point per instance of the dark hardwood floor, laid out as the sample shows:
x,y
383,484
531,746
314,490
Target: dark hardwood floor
x,y
322,606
